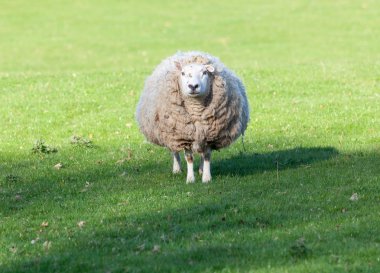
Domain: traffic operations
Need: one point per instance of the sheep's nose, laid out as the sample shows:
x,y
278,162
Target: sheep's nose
x,y
193,87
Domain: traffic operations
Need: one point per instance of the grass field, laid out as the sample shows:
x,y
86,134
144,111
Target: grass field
x,y
303,197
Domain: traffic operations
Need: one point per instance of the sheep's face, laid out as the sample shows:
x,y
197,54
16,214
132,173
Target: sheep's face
x,y
195,79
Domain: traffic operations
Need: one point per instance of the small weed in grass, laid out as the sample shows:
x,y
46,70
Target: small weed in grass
x,y
81,142
10,178
40,147
299,249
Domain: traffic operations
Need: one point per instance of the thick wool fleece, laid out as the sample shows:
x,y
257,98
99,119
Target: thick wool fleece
x,y
169,119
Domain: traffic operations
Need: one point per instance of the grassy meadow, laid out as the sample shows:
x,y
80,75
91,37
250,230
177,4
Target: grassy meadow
x,y
82,191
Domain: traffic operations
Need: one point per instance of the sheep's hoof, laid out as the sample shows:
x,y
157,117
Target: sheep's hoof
x,y
190,180
177,171
200,171
206,178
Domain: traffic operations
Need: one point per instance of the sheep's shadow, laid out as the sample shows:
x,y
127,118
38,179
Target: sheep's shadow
x,y
248,163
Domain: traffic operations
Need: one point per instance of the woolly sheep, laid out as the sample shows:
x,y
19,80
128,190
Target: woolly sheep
x,y
193,102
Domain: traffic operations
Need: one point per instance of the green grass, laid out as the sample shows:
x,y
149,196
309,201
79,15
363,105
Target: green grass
x,y
312,74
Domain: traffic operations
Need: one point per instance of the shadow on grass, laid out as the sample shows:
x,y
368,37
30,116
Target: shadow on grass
x,y
250,163
197,238
211,237
226,227
36,179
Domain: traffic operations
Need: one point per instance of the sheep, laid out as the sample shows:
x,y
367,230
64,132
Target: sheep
x,y
193,102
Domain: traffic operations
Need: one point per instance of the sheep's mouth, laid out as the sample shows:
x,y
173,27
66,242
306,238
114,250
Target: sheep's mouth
x,y
194,94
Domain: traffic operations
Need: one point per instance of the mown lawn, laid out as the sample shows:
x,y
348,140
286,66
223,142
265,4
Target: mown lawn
x,y
303,196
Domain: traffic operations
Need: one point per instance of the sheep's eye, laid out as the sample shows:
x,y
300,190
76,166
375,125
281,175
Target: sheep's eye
x,y
204,72
183,73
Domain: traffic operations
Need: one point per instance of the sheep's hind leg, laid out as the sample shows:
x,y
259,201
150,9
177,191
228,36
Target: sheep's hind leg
x,y
176,162
190,166
200,170
206,176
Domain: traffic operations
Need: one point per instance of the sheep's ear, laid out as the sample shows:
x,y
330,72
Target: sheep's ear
x,y
178,65
209,68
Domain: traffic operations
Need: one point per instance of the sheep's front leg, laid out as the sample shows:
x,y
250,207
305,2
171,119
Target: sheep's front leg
x,y
206,158
200,170
176,162
190,166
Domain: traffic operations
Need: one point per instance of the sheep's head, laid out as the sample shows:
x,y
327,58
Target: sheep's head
x,y
195,79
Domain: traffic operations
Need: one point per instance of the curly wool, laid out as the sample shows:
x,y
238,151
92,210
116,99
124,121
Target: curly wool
x,y
168,119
